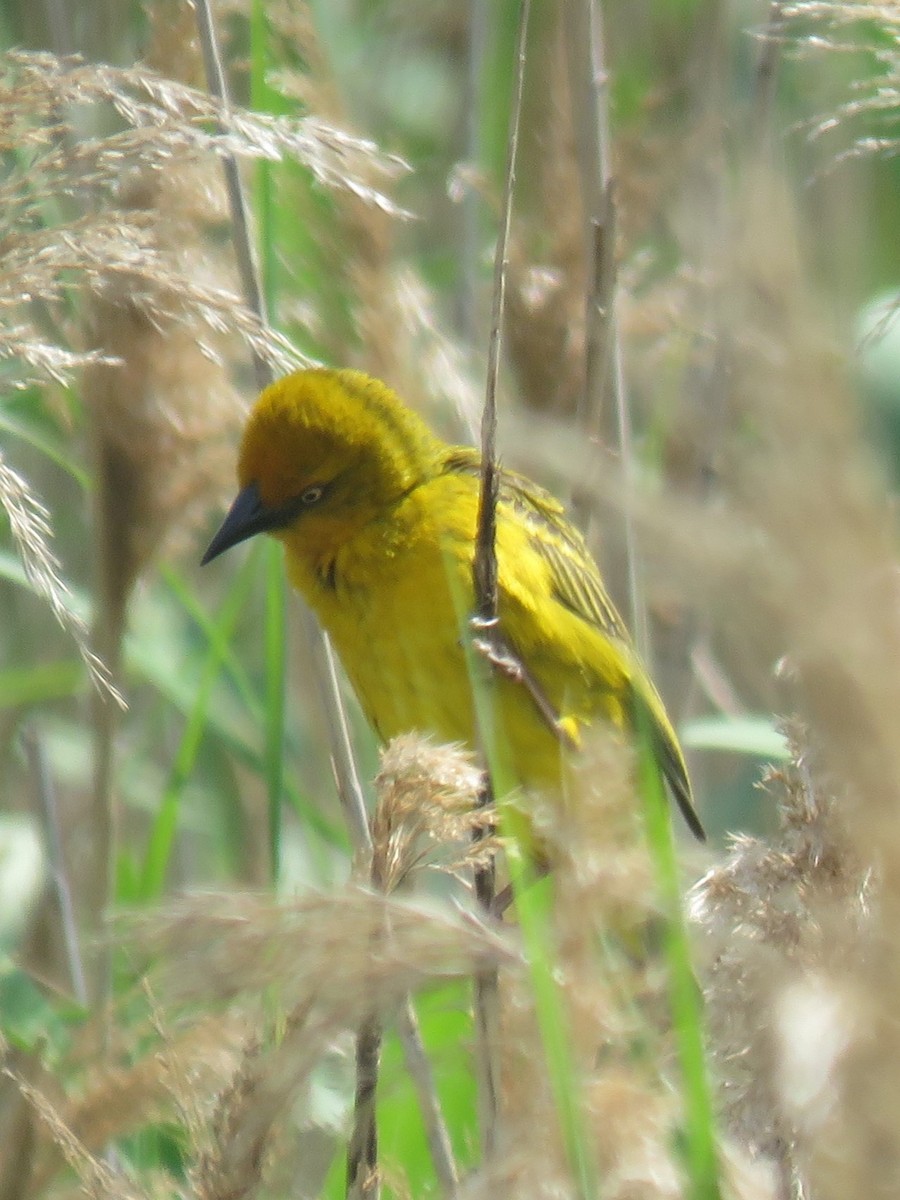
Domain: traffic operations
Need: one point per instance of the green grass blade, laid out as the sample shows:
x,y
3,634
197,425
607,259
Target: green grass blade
x,y
145,665
700,1152
162,833
534,909
275,646
58,454
216,638
757,736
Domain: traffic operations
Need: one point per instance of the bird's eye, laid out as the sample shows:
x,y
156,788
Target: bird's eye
x,y
312,495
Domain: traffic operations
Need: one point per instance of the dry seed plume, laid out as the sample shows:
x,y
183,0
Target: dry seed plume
x,y
426,813
783,927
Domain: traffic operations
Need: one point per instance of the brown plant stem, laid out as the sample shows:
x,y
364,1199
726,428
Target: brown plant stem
x,y
363,1181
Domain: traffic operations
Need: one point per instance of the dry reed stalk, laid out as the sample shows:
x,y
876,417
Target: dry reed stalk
x,y
803,535
815,494
488,636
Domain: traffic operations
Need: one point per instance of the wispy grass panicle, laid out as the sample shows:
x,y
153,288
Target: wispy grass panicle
x,y
185,118
69,213
29,523
314,958
869,114
239,943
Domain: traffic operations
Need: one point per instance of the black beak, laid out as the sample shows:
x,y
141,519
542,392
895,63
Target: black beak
x,y
246,517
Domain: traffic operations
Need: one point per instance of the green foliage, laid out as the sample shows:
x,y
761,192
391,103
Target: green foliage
x,y
446,1025
30,1019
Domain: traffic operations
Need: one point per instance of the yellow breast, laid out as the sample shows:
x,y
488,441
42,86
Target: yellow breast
x,y
396,601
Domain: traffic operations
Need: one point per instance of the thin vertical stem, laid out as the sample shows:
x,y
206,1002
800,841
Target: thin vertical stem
x,y
343,760
485,567
468,317
237,202
423,1080
275,688
45,794
484,574
605,403
766,77
363,1182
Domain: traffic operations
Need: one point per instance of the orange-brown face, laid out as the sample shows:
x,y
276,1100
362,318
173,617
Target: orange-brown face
x,y
323,453
292,442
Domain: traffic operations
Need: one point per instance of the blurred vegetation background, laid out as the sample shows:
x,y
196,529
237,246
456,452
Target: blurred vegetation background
x,y
372,137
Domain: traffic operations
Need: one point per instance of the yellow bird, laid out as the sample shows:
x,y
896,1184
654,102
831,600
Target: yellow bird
x,y
377,516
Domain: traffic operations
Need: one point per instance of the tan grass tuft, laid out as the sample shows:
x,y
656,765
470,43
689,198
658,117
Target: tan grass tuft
x,y
778,920
98,1180
223,945
329,962
115,1102
427,796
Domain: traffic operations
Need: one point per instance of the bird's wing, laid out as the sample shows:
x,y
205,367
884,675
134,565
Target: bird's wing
x,y
577,584
576,579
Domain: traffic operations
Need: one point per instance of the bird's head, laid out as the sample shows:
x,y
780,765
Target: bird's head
x,y
323,453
